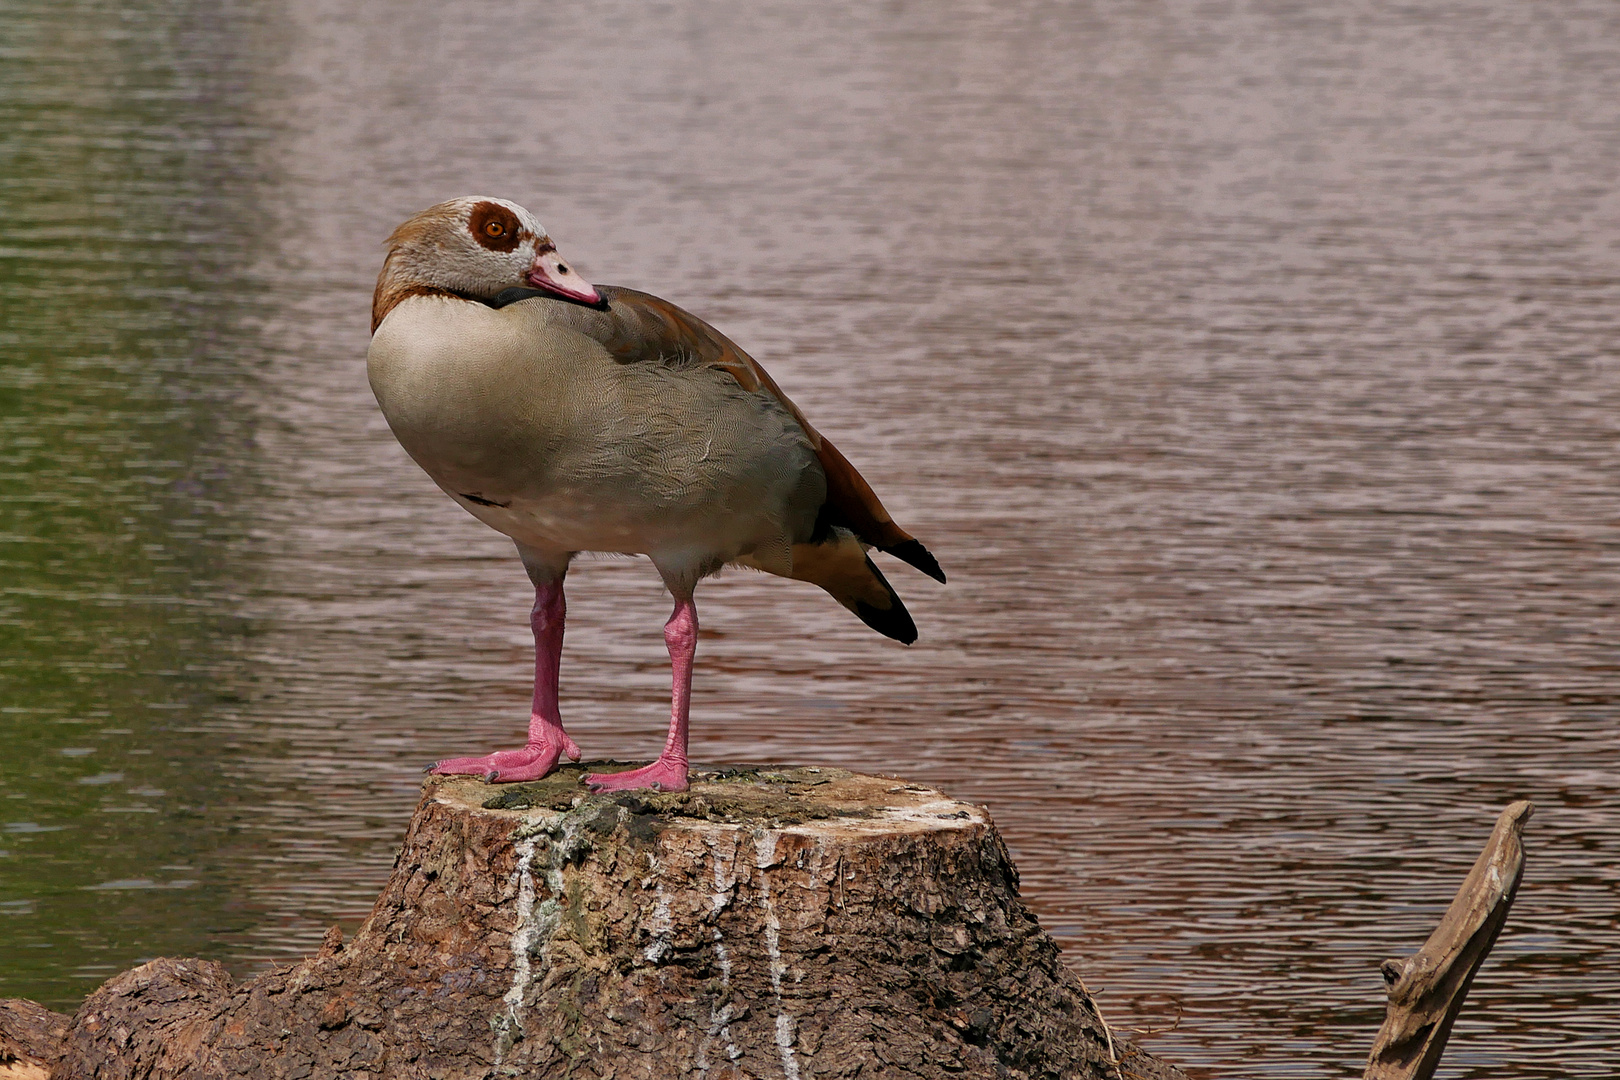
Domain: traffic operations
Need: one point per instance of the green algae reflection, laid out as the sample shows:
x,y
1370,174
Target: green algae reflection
x,y
123,457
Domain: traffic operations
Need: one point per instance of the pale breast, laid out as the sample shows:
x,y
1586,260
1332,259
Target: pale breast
x,y
539,432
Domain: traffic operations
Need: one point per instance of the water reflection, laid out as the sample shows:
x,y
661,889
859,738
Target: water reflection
x,y
125,460
1249,367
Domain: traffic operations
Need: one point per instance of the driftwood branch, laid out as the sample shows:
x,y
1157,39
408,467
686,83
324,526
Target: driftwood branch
x,y
1426,991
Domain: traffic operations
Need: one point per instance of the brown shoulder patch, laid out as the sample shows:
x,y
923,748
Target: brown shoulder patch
x,y
494,226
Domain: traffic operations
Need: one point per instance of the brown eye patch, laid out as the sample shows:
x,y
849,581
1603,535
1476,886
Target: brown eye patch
x,y
494,226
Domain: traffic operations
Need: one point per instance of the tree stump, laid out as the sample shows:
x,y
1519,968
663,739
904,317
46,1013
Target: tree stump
x,y
781,923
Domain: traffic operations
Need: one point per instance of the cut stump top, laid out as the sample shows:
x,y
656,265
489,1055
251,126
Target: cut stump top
x,y
808,800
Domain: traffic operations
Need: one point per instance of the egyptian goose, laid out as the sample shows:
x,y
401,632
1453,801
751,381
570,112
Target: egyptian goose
x,y
574,418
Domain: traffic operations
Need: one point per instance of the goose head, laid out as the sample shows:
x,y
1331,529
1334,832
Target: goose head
x,y
478,247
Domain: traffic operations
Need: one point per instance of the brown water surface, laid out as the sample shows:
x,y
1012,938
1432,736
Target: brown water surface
x,y
1251,367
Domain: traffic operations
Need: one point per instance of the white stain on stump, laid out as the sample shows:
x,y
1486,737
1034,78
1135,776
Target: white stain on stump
x,y
720,1010
764,859
523,937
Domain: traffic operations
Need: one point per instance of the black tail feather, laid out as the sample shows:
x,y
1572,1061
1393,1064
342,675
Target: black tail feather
x,y
912,551
896,621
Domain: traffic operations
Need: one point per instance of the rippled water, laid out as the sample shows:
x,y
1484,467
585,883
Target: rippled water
x,y
1251,367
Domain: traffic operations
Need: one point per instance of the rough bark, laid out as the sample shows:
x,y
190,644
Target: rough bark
x,y
30,1039
1426,991
768,923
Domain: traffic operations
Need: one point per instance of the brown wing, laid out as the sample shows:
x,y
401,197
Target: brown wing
x,y
647,328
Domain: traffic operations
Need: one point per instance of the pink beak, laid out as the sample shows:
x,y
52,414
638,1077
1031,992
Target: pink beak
x,y
550,274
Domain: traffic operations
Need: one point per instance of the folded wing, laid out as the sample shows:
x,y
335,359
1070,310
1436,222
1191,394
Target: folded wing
x,y
652,329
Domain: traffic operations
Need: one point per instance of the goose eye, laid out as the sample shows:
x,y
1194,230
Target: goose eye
x,y
494,228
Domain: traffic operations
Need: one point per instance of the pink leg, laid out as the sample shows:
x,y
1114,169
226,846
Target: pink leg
x,y
668,773
547,739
